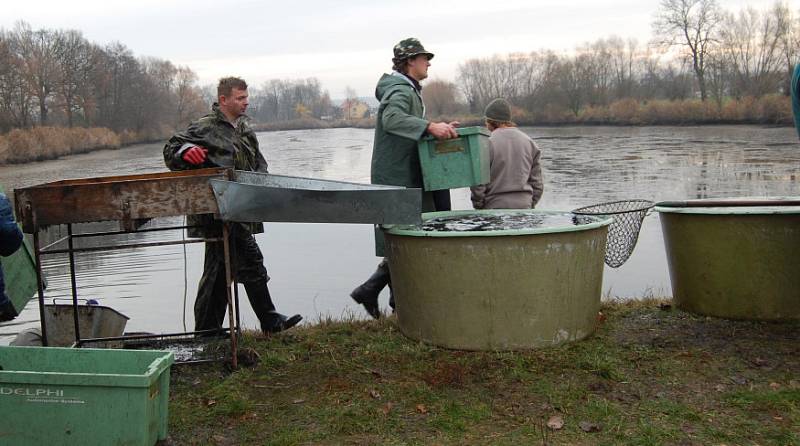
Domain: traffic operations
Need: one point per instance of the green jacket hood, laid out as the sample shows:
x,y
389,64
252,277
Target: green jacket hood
x,y
389,82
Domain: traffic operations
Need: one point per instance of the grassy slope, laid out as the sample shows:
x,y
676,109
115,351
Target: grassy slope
x,y
648,376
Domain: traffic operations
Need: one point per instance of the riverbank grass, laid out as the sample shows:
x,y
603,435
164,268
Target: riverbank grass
x,y
650,375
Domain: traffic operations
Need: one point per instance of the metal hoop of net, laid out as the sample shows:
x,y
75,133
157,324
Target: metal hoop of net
x,y
624,231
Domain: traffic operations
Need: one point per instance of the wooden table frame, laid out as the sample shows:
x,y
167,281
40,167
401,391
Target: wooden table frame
x,y
131,200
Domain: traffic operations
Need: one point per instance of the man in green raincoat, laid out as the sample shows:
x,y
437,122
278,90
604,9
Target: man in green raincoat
x,y
399,125
224,138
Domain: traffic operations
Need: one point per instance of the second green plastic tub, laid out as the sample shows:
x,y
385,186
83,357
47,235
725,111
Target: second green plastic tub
x,y
734,262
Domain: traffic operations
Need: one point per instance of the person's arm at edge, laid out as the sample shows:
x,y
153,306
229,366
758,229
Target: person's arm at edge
x,y
179,143
535,178
10,234
477,195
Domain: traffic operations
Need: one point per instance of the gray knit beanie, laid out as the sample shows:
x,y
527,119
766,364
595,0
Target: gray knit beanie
x,y
498,110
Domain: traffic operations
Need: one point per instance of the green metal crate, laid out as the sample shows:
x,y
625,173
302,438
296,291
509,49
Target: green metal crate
x,y
52,395
457,162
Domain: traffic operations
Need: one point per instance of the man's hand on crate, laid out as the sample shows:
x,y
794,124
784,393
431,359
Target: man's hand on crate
x,y
442,130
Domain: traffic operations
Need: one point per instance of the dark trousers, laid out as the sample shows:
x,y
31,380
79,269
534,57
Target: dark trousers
x,y
441,200
248,266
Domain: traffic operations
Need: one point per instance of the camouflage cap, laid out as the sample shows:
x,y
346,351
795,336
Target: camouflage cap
x,y
409,48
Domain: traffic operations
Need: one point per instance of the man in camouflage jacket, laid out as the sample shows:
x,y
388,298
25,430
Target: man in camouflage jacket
x,y
223,138
400,124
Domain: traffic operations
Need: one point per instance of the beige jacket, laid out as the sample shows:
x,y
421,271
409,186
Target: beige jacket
x,y
516,175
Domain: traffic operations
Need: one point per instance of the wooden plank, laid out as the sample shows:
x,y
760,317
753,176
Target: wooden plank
x,y
123,198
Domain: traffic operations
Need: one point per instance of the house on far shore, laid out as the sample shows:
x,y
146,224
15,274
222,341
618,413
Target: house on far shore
x,y
354,108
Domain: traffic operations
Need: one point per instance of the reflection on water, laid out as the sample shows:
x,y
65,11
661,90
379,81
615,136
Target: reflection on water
x,y
661,162
315,266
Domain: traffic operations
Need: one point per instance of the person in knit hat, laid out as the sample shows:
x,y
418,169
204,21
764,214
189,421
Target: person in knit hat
x,y
515,172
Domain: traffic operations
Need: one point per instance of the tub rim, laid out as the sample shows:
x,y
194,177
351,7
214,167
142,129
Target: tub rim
x,y
402,229
731,210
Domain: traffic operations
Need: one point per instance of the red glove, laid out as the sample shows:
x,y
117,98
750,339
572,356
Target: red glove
x,y
195,155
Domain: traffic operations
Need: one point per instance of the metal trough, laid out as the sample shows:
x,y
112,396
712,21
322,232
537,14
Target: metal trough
x,y
261,197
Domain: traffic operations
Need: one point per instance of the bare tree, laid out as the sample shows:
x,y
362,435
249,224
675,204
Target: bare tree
x,y
675,80
649,77
15,97
441,98
482,80
75,62
788,31
39,52
541,84
188,98
690,24
596,58
208,93
469,77
575,85
282,100
160,78
718,77
750,43
623,54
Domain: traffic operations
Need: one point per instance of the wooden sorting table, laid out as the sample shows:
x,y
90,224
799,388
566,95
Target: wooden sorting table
x,y
131,200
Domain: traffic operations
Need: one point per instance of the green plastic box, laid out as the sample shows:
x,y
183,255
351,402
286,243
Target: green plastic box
x,y
457,162
55,396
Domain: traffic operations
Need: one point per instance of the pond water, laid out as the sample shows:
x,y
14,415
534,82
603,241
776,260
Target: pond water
x,y
315,266
498,222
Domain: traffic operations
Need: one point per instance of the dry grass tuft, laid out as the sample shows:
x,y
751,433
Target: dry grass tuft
x,y
41,143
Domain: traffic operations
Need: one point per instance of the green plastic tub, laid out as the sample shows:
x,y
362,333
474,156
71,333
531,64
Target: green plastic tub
x,y
457,162
498,290
734,262
55,396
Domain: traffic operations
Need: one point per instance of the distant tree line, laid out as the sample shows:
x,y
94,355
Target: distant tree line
x,y
58,78
704,65
286,100
699,52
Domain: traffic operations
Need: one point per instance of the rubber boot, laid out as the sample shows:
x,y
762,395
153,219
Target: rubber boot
x,y
261,301
367,293
277,322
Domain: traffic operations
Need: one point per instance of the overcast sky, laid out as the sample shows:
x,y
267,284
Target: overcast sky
x,y
342,43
